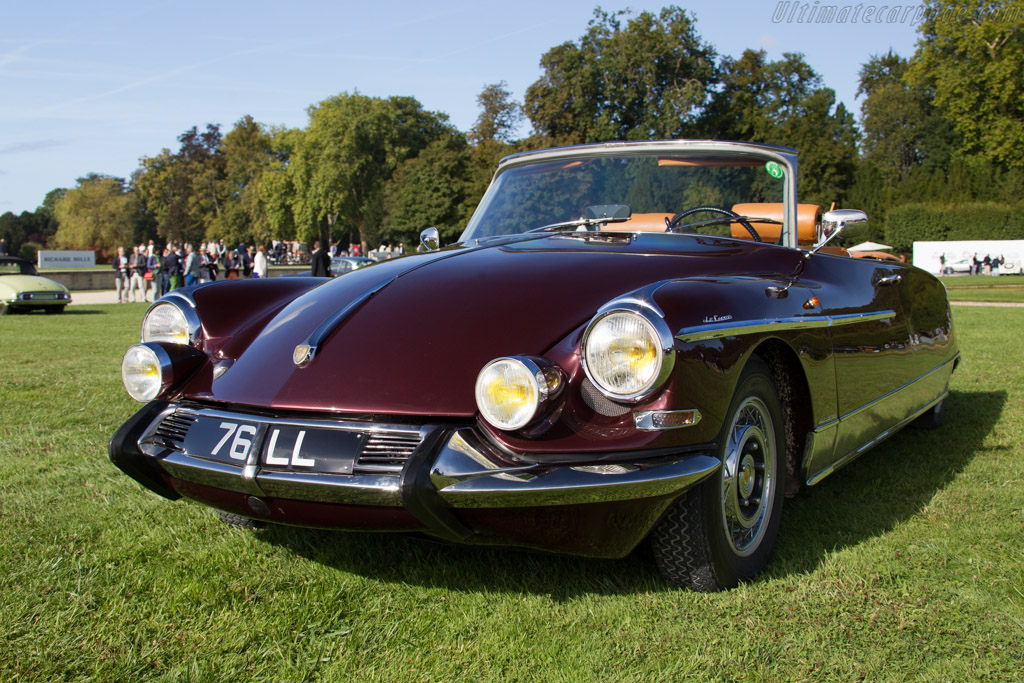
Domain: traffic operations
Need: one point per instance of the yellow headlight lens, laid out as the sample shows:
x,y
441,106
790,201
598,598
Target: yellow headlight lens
x,y
507,393
141,373
165,323
623,354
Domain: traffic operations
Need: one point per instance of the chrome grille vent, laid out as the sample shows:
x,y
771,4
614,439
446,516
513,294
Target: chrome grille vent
x,y
387,451
173,428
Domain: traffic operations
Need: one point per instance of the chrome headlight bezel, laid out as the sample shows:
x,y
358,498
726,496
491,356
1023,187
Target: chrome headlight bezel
x,y
159,358
189,325
661,336
544,379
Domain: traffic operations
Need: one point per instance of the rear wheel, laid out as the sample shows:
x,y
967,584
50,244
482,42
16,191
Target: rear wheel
x,y
932,419
240,521
723,531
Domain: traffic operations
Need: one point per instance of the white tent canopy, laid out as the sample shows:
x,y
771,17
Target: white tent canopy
x,y
868,246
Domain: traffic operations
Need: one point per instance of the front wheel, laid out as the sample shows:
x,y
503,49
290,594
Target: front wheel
x,y
723,531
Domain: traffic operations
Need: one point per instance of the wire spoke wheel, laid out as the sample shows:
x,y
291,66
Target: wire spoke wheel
x,y
723,530
748,476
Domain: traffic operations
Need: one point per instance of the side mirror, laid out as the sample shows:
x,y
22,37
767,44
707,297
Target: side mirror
x,y
833,223
430,239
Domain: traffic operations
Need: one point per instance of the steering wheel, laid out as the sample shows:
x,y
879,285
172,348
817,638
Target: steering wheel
x,y
674,224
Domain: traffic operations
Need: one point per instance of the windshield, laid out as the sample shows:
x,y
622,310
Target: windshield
x,y
636,192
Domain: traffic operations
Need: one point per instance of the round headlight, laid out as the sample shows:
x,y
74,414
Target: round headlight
x,y
165,322
142,373
623,354
507,393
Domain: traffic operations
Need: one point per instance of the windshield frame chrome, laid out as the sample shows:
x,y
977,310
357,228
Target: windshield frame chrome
x,y
785,156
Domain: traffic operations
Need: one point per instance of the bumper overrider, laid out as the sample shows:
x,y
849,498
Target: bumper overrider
x,y
441,480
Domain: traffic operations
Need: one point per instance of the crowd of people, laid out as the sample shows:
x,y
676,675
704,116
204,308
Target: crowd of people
x,y
148,272
978,266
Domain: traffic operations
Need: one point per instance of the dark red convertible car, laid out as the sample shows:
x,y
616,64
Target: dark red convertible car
x,y
630,342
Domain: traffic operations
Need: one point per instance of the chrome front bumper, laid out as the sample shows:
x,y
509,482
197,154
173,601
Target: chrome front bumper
x,y
447,469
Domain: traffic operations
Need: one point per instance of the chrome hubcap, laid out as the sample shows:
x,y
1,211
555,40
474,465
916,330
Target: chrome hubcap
x,y
748,476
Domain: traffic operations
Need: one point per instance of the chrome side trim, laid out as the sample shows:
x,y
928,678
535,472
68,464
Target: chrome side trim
x,y
824,443
466,478
898,389
698,333
320,334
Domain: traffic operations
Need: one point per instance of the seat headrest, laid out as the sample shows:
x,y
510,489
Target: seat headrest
x,y
808,218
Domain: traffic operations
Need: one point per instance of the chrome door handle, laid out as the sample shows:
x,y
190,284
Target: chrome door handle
x,y
889,280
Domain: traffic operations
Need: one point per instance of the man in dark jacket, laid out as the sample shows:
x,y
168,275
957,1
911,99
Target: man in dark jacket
x,y
171,269
321,261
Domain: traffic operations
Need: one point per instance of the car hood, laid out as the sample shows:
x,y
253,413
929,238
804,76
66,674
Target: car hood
x,y
415,347
12,284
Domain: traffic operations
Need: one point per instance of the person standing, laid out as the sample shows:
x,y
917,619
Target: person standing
x,y
156,277
3,247
259,263
191,266
121,276
171,268
321,261
137,267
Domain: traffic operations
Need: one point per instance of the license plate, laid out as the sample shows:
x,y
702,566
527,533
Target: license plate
x,y
301,449
226,441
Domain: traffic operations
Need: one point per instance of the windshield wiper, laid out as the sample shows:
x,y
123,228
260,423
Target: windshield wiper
x,y
579,222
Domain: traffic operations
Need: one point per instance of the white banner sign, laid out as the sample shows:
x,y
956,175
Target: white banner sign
x,y
959,256
67,259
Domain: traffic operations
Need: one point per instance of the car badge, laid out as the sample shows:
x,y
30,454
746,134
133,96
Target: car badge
x,y
302,354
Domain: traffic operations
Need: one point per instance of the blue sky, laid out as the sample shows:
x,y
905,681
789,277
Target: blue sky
x,y
92,87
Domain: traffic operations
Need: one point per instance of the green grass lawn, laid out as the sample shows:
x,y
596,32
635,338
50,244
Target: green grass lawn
x,y
908,564
983,281
1009,294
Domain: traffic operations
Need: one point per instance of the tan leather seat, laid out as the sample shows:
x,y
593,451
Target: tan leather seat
x,y
643,222
808,218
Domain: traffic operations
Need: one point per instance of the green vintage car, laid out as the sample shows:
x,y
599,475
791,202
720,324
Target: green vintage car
x,y
23,289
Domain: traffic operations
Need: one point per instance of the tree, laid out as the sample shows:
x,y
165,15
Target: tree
x,y
430,190
902,129
183,191
248,153
969,60
499,115
99,213
785,102
648,79
351,147
276,184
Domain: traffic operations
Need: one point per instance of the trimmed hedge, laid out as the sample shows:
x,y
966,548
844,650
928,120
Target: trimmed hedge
x,y
908,223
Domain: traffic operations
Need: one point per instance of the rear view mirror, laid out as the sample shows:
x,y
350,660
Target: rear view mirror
x,y
833,223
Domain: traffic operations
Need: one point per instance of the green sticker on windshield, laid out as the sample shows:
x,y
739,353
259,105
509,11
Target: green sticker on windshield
x,y
774,169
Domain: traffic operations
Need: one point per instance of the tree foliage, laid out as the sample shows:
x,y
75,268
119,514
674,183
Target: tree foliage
x,y
99,213
785,102
499,117
649,78
970,60
352,146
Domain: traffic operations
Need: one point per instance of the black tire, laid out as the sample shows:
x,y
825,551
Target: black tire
x,y
240,521
933,418
722,532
